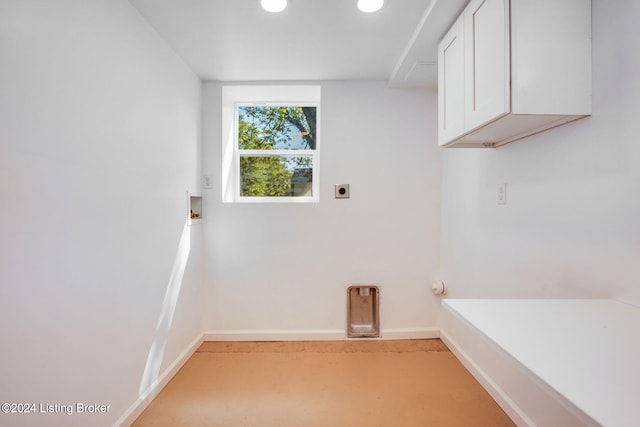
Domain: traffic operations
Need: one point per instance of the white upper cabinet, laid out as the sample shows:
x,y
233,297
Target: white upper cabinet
x,y
487,76
526,67
451,72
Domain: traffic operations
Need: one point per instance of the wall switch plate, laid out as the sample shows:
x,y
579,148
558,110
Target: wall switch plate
x,y
502,193
342,191
207,181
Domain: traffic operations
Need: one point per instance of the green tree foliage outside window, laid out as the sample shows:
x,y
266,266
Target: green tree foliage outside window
x,y
263,133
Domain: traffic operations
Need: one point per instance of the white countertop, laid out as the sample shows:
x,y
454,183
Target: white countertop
x,y
587,350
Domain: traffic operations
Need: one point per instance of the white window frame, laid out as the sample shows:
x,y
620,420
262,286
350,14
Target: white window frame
x,y
277,96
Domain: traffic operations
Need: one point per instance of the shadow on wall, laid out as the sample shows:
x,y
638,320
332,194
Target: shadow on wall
x,y
156,352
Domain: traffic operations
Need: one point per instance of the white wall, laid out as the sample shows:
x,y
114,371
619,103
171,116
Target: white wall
x,y
285,267
99,141
571,226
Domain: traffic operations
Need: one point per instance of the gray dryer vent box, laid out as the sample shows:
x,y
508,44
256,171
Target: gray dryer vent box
x,y
363,311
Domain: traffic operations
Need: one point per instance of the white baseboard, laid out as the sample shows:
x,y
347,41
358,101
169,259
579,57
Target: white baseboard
x,y
275,335
410,333
145,399
315,335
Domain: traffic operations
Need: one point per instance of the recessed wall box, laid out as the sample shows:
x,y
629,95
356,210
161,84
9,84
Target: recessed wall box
x,y
363,311
194,212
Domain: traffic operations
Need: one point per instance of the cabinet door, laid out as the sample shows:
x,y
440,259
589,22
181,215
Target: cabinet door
x,y
451,84
487,63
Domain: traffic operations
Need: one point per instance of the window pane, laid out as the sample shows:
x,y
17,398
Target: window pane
x,y
279,176
276,128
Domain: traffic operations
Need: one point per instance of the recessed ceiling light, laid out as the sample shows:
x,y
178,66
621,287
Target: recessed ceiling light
x,y
370,5
274,5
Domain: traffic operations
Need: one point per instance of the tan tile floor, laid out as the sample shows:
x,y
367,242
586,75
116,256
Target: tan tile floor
x,y
337,383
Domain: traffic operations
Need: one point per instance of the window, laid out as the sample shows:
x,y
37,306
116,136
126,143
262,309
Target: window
x,y
271,149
